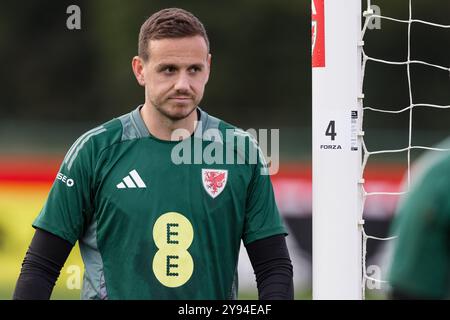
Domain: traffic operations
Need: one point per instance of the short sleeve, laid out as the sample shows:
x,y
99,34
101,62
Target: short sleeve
x,y
68,206
262,218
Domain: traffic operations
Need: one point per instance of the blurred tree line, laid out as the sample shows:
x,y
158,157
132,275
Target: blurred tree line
x,y
260,48
261,75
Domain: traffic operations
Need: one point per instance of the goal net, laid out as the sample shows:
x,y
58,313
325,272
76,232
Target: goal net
x,y
341,153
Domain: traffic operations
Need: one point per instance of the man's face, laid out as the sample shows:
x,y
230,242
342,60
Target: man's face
x,y
175,75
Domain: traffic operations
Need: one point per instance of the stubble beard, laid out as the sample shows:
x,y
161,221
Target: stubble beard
x,y
175,112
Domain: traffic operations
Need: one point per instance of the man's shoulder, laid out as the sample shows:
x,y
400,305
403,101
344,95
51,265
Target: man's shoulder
x,y
435,174
91,143
228,134
102,136
225,128
243,143
105,134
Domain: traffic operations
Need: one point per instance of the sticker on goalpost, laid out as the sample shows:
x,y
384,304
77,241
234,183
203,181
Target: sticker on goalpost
x,y
339,132
318,33
354,130
331,133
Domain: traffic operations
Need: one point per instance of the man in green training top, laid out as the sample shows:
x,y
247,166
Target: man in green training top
x,y
151,220
420,268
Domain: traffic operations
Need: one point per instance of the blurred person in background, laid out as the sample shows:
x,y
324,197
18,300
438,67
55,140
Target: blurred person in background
x,y
420,266
149,228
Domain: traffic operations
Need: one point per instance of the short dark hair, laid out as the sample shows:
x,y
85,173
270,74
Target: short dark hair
x,y
169,23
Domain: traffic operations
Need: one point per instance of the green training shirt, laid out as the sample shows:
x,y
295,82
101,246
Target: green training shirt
x,y
421,260
156,220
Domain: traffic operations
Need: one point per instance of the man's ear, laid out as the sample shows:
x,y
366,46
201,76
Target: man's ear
x,y
138,69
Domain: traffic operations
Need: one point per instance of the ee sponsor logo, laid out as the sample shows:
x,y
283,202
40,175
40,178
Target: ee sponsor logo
x,y
173,235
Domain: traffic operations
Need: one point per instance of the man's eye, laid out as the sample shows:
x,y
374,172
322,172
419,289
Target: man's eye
x,y
195,69
169,70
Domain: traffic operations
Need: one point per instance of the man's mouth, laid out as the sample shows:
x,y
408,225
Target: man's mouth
x,y
180,98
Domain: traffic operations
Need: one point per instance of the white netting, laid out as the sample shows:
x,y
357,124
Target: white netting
x,y
369,15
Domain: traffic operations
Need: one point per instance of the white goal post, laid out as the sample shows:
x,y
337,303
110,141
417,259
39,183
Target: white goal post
x,y
337,154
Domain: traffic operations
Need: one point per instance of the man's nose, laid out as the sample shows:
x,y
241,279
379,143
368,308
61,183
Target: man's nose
x,y
182,83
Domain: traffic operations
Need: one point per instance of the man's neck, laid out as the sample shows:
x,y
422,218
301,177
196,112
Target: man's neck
x,y
163,128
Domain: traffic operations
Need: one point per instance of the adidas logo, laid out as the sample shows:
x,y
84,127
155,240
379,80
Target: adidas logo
x,y
133,180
